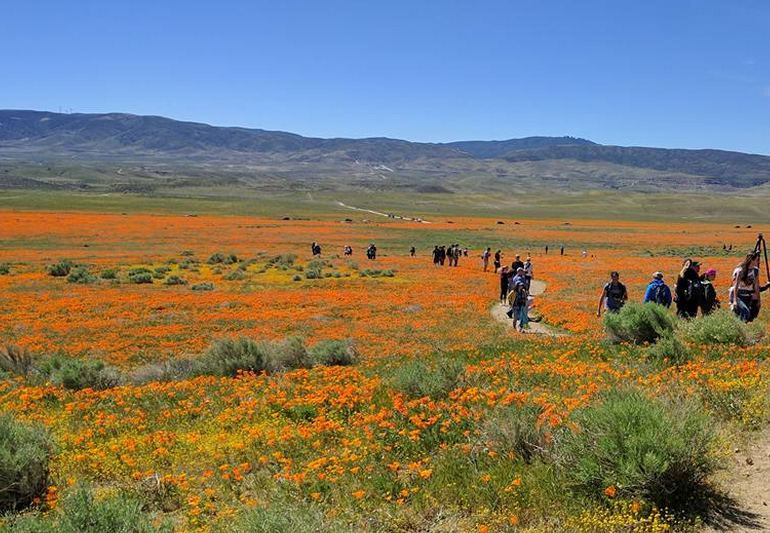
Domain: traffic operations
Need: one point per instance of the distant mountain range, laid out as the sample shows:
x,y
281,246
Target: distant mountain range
x,y
144,153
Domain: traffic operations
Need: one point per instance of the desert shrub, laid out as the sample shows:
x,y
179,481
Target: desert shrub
x,y
187,253
109,273
334,353
417,380
160,272
80,275
669,349
720,327
187,264
225,259
297,518
5,269
226,357
170,370
60,269
235,275
15,360
313,274
639,323
140,275
175,280
657,450
77,374
286,355
80,510
375,273
24,454
205,286
516,429
285,260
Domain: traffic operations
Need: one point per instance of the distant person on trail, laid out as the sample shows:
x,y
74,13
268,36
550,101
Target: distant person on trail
x,y
689,289
348,250
657,291
518,298
412,251
710,301
614,295
371,252
528,272
441,255
546,249
498,260
561,250
504,272
436,254
517,264
316,249
485,258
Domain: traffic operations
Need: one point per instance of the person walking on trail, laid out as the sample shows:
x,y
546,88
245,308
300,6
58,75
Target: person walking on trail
x,y
518,298
436,254
485,258
517,264
614,295
316,249
657,291
546,249
441,255
504,272
412,251
528,272
745,293
348,250
689,289
561,250
498,260
710,301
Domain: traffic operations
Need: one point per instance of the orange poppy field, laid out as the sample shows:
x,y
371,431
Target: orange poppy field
x,y
380,444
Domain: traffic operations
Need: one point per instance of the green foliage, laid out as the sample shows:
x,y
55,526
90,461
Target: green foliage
x,y
140,275
175,369
24,454
81,511
283,260
669,349
225,259
80,275
235,275
314,269
374,273
160,272
109,273
205,286
227,357
15,360
334,353
175,280
297,518
660,451
77,374
417,380
60,269
639,323
516,429
5,269
720,327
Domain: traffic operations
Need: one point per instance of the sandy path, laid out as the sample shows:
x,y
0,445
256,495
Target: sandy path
x,y
535,289
378,213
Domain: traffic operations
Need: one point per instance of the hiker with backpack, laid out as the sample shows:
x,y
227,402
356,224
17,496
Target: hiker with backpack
x,y
689,289
614,295
710,302
657,291
518,298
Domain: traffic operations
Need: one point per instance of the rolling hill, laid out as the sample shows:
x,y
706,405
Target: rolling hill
x,y
118,151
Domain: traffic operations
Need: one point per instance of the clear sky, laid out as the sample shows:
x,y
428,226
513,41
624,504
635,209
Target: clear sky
x,y
672,73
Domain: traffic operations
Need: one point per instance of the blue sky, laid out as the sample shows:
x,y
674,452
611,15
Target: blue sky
x,y
681,73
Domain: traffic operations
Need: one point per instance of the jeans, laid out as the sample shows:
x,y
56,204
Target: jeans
x,y
742,310
521,314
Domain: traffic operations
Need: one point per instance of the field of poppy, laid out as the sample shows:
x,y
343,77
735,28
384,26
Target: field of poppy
x,y
447,421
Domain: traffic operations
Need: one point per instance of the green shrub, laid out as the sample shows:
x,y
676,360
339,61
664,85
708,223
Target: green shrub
x,y
284,260
334,353
24,454
669,349
374,273
226,357
287,355
418,380
297,518
109,273
5,269
720,327
140,275
219,257
15,360
187,253
656,450
235,275
170,370
639,323
516,429
81,511
80,275
77,374
205,286
175,280
60,269
160,272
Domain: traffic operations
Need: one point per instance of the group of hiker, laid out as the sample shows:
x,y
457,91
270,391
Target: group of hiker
x,y
452,253
694,291
515,283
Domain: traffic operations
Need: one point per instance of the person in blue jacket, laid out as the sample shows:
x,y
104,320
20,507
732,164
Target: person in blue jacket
x,y
657,291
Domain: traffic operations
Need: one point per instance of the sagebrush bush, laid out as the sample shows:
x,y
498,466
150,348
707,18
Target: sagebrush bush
x,y
5,269
15,360
657,450
516,429
140,275
175,280
225,259
235,275
170,370
109,273
80,275
639,323
669,349
285,260
205,286
334,353
24,455
77,374
287,355
60,269
417,380
719,327
226,357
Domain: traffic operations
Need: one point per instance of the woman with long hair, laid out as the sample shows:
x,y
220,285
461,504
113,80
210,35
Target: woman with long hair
x,y
744,294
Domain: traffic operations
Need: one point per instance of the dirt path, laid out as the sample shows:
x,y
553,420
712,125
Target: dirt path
x,y
536,289
378,213
747,483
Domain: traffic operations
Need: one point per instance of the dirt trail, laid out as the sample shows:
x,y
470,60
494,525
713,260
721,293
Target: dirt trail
x,y
536,289
379,213
748,488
